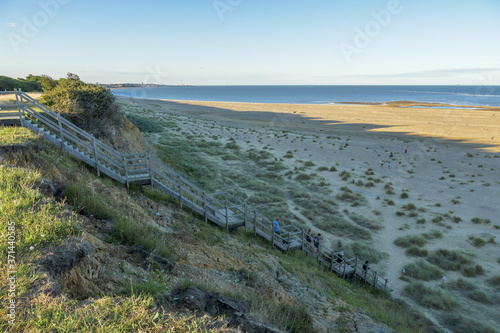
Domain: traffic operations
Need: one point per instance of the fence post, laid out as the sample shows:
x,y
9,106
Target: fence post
x,y
302,245
246,229
61,132
355,265
333,260
272,235
17,92
227,219
125,164
255,223
204,206
319,250
385,285
150,170
375,280
344,263
95,157
179,185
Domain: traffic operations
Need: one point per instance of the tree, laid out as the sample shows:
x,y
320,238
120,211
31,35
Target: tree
x,y
8,83
46,81
88,106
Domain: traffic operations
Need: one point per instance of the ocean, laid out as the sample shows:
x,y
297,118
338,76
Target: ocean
x,y
455,95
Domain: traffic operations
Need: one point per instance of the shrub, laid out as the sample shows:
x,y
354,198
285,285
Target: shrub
x,y
422,270
415,251
8,83
430,297
448,260
88,106
409,206
404,195
410,240
303,176
477,241
232,145
463,324
494,281
472,270
144,125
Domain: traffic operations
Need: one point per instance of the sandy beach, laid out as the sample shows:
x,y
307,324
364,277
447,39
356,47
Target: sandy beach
x,y
447,161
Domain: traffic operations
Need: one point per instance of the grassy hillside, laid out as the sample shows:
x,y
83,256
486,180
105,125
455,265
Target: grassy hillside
x,y
8,83
91,256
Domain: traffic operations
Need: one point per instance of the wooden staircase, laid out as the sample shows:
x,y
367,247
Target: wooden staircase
x,y
220,208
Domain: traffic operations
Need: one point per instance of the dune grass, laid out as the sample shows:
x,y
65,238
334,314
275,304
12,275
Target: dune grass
x,y
432,297
423,270
449,260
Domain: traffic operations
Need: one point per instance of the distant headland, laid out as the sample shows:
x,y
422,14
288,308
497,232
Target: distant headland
x,y
137,85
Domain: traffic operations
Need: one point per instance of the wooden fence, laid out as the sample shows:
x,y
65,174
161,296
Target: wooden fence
x,y
220,208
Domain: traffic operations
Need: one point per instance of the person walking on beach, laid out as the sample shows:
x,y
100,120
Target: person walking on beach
x,y
406,150
317,239
276,228
391,155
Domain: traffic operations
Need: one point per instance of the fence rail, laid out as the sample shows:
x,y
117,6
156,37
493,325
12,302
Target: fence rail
x,y
221,208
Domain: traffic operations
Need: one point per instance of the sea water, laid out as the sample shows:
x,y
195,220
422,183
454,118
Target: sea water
x,y
455,95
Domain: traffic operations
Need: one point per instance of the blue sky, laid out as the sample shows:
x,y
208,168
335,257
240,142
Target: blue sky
x,y
254,41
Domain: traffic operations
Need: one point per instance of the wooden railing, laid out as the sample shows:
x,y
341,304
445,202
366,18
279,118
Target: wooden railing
x,y
220,208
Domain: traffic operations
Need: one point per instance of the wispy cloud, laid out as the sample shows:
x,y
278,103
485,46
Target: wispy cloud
x,y
12,24
435,73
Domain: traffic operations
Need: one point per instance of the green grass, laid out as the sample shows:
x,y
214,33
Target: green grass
x,y
472,270
416,251
137,313
394,313
144,124
449,260
15,135
410,240
422,270
28,213
460,323
431,297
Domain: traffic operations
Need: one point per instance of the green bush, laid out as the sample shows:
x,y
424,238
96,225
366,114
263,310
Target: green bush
x,y
422,270
472,270
410,240
8,83
88,106
459,323
448,260
430,297
415,251
144,125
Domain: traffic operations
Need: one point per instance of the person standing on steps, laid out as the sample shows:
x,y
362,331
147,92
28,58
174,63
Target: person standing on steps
x,y
276,228
309,240
317,239
365,267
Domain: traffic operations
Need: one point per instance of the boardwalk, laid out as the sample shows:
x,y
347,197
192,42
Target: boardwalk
x,y
220,208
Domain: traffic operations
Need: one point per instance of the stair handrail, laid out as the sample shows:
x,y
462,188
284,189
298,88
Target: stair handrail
x,y
108,153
